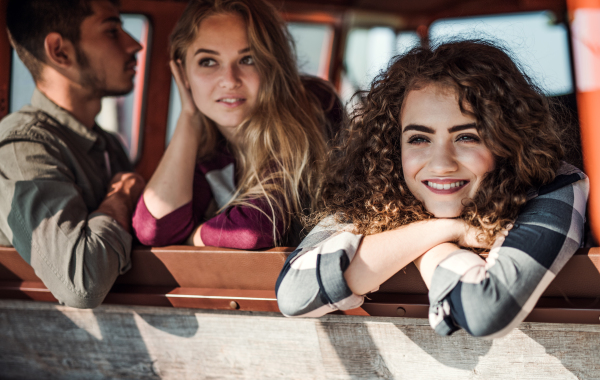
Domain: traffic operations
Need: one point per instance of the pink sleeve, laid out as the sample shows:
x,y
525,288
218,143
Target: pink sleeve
x,y
242,227
172,228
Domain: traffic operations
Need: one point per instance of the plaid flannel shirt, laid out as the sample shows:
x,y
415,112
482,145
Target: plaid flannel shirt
x,y
487,298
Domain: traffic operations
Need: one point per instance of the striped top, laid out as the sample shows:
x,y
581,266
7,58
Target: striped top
x,y
487,298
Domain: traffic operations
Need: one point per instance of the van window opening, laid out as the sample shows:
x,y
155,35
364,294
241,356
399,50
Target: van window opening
x,y
535,40
121,115
368,52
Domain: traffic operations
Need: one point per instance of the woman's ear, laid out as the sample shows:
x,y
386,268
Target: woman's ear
x,y
184,77
59,51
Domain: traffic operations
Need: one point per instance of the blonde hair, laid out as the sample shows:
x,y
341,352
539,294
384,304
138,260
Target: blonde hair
x,y
283,139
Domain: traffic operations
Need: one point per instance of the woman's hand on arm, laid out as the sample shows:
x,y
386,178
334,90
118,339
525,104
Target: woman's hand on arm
x,y
195,239
468,237
171,185
381,255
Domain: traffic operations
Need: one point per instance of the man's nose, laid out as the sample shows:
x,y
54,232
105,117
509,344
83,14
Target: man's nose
x,y
443,159
132,45
230,76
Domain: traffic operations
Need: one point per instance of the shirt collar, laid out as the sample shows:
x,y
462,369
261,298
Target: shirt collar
x,y
88,138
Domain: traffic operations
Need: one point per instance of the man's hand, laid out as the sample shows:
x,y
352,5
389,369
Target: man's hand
x,y
123,192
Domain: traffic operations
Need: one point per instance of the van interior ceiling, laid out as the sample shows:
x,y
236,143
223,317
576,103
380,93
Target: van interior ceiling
x,y
217,278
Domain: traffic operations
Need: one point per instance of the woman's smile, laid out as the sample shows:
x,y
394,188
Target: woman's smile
x,y
444,159
231,102
445,186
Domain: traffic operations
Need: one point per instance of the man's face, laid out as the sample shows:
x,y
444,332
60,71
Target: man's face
x,y
106,53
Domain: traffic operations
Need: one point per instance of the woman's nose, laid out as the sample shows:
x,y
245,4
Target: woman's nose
x,y
443,160
231,77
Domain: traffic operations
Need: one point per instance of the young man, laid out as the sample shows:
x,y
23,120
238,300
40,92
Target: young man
x,y
67,190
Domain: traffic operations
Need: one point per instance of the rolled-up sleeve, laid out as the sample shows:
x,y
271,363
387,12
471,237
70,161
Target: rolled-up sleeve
x,y
77,254
244,227
488,298
312,281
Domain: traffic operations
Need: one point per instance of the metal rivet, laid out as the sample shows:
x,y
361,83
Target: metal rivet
x,y
234,305
401,312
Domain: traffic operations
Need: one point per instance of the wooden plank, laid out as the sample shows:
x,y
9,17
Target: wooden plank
x,y
41,340
225,279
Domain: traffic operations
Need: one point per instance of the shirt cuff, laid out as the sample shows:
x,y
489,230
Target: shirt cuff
x,y
461,266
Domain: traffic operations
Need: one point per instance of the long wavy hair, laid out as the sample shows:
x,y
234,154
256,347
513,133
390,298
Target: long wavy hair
x,y
364,181
283,139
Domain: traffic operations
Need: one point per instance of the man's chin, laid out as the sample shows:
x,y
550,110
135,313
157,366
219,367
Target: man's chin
x,y
117,92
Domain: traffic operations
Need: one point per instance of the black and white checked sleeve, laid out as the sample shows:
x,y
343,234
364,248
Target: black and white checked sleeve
x,y
488,298
312,282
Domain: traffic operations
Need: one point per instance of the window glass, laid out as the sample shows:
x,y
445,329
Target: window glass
x,y
313,47
536,42
368,52
122,114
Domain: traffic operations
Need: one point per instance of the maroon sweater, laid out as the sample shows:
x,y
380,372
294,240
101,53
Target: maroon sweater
x,y
240,227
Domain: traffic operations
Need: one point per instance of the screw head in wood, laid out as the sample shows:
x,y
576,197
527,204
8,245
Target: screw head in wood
x,y
401,312
234,305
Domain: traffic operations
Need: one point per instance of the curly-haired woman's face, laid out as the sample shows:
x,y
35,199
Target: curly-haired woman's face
x,y
443,157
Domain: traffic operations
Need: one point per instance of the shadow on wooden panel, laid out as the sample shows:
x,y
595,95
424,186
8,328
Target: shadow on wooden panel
x,y
574,341
353,347
99,345
460,350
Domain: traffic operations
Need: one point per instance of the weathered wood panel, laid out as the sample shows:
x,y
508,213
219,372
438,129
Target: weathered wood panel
x,y
46,341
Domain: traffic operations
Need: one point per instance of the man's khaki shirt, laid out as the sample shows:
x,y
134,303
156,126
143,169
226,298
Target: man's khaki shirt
x,y
53,176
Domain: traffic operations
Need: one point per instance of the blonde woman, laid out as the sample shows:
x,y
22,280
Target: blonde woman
x,y
244,156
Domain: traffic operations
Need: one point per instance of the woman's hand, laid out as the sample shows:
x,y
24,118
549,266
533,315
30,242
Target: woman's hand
x,y
188,107
469,236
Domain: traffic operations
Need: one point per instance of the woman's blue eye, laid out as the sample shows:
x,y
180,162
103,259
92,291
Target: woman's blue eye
x,y
417,140
247,60
468,138
207,62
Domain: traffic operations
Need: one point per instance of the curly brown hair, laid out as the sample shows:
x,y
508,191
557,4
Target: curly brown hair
x,y
364,181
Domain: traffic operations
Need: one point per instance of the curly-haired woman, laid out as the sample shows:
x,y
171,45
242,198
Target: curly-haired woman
x,y
247,151
453,150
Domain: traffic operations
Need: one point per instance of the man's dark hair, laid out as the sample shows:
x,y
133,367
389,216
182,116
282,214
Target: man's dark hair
x,y
30,21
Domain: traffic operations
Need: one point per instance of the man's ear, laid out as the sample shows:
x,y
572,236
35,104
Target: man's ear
x,y
59,51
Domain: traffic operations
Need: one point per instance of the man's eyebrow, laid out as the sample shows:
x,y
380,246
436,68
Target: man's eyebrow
x,y
112,19
420,128
462,127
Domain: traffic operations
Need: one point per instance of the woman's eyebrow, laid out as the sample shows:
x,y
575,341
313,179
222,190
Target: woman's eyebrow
x,y
206,51
420,128
461,127
201,50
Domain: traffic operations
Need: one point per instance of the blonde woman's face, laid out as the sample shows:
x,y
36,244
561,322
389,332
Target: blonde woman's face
x,y
220,72
443,156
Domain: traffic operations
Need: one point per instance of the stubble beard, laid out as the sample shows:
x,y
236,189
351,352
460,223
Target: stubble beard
x,y
90,80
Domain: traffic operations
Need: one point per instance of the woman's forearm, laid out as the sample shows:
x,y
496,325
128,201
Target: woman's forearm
x,y
380,256
427,263
171,185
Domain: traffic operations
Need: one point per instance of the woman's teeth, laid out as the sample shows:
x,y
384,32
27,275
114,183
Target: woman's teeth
x,y
231,100
445,186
